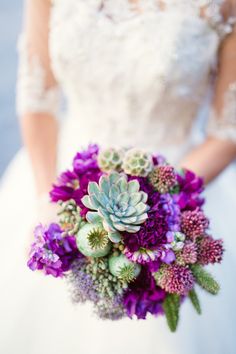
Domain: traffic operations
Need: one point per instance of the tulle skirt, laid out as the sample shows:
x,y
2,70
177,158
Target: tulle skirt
x,y
38,317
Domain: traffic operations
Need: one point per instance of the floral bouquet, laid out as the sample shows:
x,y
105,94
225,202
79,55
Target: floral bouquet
x,y
131,236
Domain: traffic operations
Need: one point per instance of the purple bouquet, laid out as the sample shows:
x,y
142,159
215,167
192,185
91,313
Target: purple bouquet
x,y
131,236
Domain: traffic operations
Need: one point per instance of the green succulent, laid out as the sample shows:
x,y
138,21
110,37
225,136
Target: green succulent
x,y
123,268
119,204
69,217
110,159
92,241
137,162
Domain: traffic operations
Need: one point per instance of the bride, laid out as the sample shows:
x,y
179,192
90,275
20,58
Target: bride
x,y
133,72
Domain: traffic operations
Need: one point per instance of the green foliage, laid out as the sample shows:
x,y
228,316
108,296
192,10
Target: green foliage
x,y
195,301
171,307
205,279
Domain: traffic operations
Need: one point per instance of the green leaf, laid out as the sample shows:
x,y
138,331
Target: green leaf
x,y
205,279
195,301
87,202
93,217
114,236
171,308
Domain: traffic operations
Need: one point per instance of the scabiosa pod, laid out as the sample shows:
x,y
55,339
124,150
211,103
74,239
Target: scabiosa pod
x,y
110,159
119,203
137,162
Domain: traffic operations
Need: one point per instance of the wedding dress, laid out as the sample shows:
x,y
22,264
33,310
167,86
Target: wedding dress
x,y
133,73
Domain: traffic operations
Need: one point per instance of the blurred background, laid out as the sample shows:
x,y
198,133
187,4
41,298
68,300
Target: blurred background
x,y
10,24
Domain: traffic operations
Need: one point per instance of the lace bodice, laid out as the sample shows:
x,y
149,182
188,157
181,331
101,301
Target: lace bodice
x,y
134,72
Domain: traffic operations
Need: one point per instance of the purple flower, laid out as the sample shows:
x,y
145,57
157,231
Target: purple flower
x,y
150,242
86,160
191,187
74,184
82,284
51,251
144,296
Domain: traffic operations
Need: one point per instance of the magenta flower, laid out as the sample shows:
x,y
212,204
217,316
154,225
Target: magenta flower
x,y
74,184
144,296
86,161
150,242
191,187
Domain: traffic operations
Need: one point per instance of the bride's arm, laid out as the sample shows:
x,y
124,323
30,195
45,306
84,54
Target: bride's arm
x,y
38,94
219,149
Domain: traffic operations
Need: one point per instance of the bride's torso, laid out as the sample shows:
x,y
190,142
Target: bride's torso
x,y
133,75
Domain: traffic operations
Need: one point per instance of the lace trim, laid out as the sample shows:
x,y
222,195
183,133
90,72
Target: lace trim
x,y
213,10
224,127
32,96
216,19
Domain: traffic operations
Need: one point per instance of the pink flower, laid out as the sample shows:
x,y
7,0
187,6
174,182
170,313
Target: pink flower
x,y
194,223
175,279
210,250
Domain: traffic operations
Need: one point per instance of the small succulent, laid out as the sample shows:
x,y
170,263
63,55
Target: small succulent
x,y
69,217
176,239
119,204
123,268
110,159
92,241
137,162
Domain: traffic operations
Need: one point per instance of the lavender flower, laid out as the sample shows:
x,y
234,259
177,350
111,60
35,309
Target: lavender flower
x,y
52,252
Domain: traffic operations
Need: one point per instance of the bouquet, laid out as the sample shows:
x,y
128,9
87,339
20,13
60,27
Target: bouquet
x,y
131,235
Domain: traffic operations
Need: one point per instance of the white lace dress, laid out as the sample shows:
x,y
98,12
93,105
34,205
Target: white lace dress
x,y
133,73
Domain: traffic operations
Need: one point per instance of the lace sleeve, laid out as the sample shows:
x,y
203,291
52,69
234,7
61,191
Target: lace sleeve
x,y
222,119
37,90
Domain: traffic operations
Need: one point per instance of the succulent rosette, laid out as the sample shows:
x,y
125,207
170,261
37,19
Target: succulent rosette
x,y
131,235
